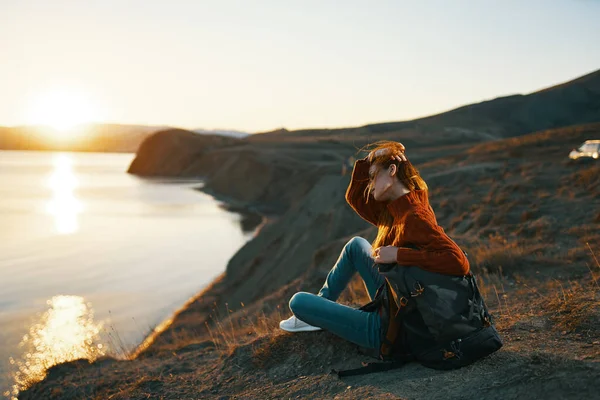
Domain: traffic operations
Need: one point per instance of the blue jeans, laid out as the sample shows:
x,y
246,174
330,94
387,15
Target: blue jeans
x,y
360,327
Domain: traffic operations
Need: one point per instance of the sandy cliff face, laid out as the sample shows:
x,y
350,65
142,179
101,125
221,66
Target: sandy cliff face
x,y
284,250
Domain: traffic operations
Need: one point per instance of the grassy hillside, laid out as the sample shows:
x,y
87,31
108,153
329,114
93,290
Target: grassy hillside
x,y
527,217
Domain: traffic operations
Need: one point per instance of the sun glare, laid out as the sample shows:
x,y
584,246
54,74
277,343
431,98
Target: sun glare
x,y
64,205
61,109
65,332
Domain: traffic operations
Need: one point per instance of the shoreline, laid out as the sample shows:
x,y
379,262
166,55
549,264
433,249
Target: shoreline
x,y
235,205
254,216
248,211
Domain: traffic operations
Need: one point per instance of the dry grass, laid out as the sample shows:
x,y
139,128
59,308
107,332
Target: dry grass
x,y
537,142
570,301
563,305
227,332
355,293
587,178
576,305
117,347
497,255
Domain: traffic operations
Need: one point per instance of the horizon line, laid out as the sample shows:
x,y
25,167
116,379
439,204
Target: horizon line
x,y
306,128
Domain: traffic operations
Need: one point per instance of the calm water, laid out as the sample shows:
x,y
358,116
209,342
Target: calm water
x,y
91,257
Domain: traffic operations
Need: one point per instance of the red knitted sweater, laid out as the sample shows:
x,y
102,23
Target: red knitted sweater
x,y
436,251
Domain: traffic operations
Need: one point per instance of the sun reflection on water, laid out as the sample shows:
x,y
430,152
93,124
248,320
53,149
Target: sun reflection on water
x,y
64,206
65,332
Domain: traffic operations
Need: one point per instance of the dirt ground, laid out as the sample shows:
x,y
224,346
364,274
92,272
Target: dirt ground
x,y
537,361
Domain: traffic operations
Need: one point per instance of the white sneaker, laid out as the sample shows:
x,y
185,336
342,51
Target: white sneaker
x,y
293,324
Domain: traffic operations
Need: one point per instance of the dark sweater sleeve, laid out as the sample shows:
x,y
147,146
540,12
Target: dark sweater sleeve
x,y
371,210
436,251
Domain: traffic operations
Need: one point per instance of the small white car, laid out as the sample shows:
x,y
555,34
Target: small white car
x,y
589,148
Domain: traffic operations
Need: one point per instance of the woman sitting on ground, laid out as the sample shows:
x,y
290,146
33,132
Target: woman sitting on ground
x,y
387,191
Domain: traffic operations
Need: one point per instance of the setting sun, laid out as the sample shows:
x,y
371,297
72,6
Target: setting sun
x,y
61,110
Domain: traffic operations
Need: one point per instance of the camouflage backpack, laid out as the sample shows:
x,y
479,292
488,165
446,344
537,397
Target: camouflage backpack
x,y
438,320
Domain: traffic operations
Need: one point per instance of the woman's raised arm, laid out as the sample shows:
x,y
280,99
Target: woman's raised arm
x,y
355,194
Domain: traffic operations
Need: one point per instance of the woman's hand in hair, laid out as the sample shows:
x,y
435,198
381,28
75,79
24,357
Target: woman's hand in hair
x,y
400,157
397,155
377,153
386,254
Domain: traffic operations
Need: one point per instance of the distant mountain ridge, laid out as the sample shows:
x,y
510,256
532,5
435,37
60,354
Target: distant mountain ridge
x,y
223,132
571,103
250,167
97,137
118,138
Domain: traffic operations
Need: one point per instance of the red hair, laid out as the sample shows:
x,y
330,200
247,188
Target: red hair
x,y
406,174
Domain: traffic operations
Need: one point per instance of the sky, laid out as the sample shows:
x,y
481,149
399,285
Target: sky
x,y
260,65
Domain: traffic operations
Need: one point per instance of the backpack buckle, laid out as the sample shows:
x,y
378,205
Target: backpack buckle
x,y
403,301
486,321
418,289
